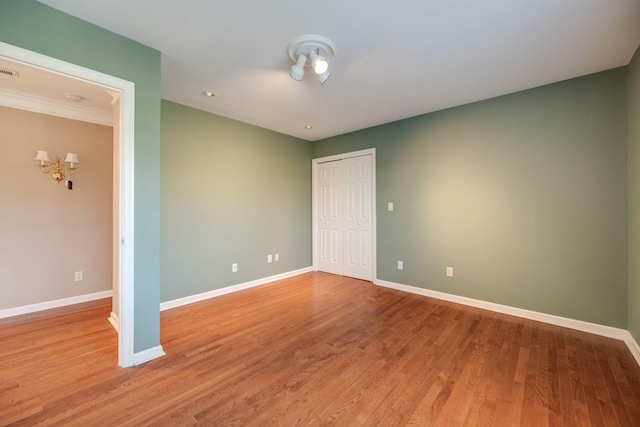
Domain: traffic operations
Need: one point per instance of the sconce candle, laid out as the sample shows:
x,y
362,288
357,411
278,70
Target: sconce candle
x,y
71,159
58,170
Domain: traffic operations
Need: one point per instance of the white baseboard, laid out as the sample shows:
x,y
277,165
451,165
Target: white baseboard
x,y
579,325
148,355
634,348
229,289
48,305
115,321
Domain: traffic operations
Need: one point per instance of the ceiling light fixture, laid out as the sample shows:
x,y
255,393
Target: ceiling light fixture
x,y
208,93
317,50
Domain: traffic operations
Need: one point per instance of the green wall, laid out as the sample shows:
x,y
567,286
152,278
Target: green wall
x,y
524,195
39,28
231,193
633,141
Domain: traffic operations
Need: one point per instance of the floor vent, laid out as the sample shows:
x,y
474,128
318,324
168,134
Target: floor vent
x,y
7,72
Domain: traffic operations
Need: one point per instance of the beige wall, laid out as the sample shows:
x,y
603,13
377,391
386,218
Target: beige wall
x,y
48,232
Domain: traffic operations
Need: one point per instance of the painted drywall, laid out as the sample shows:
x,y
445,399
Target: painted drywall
x,y
49,232
633,142
523,195
39,28
230,193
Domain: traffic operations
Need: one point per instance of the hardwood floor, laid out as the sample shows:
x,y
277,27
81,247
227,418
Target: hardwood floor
x,y
317,349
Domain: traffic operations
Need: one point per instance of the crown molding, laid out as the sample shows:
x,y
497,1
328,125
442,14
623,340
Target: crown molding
x,y
37,104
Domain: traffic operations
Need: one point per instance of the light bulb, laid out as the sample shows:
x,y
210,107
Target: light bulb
x,y
319,64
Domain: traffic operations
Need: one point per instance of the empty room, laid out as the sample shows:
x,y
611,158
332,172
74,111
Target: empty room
x,y
352,213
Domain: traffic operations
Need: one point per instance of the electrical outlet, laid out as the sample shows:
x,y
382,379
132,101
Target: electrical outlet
x,y
276,257
390,206
78,276
400,265
449,271
234,267
269,258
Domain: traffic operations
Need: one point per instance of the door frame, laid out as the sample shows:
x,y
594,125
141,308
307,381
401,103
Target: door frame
x,y
124,263
315,203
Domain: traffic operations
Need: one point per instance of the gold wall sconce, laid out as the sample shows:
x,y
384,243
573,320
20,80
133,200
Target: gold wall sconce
x,y
58,170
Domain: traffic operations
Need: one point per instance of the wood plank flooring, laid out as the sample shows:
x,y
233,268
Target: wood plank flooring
x,y
316,350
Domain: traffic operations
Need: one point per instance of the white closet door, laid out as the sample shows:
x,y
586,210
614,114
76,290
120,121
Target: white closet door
x,y
345,217
357,262
330,217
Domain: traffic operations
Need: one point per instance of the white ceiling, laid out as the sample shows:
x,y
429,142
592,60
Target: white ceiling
x,y
42,91
395,59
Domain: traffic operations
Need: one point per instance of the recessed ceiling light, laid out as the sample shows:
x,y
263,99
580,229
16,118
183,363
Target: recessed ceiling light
x,y
308,126
208,93
74,98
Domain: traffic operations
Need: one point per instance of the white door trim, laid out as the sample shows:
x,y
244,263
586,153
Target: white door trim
x,y
127,144
315,203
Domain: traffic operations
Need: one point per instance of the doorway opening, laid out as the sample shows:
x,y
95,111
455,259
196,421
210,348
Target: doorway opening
x,y
123,93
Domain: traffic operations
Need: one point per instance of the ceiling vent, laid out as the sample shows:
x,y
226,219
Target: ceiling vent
x,y
7,72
